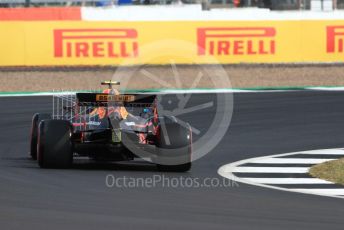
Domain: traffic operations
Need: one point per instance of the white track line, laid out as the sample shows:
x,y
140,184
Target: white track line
x,y
290,161
270,170
228,171
324,191
327,88
287,180
166,91
194,91
327,152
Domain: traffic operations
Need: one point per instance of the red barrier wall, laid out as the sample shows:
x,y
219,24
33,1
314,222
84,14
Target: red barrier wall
x,y
40,14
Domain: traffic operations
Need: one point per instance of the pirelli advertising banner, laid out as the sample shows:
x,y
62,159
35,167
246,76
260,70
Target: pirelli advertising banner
x,y
130,43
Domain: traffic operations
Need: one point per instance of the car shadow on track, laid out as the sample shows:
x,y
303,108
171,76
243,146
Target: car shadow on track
x,y
115,166
87,165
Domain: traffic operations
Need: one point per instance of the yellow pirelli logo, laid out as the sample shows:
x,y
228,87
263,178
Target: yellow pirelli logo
x,y
135,43
115,98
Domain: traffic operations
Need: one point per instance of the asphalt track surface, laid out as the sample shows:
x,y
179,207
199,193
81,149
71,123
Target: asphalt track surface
x,y
262,124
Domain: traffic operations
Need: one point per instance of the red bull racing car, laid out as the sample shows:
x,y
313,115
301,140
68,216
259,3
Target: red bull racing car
x,y
109,126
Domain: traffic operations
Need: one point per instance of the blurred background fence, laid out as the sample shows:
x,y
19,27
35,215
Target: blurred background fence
x,y
318,5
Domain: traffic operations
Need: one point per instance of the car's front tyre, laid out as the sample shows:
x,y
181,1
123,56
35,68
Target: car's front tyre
x,y
36,119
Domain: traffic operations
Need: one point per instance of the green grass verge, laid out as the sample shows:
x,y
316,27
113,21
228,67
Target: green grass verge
x,y
331,171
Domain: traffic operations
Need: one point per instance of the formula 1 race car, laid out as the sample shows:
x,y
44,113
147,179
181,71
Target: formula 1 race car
x,y
109,126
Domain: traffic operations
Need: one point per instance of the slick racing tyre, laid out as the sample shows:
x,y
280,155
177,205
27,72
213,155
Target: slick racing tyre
x,y
36,119
54,147
174,146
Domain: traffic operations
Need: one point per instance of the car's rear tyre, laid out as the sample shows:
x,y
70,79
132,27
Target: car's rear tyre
x,y
54,146
174,168
174,147
36,119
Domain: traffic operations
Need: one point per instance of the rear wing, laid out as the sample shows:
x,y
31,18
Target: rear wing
x,y
127,100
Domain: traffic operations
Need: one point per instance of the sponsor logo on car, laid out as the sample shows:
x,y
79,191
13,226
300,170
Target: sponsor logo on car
x,y
115,98
95,43
335,37
95,123
236,41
